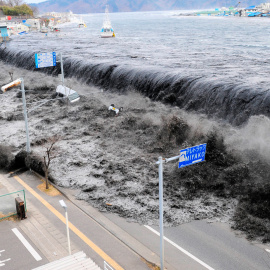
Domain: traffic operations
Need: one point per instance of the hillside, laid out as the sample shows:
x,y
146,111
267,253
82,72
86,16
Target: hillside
x,y
91,6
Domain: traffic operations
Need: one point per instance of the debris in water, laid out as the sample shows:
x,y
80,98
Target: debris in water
x,y
112,108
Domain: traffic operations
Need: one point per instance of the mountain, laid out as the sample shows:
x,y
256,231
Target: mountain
x,y
94,6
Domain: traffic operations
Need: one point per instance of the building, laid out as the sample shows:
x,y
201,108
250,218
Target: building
x,y
3,33
34,24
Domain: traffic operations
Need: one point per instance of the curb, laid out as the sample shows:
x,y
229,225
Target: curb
x,y
146,254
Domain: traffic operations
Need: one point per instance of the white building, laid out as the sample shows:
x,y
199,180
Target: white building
x,y
35,24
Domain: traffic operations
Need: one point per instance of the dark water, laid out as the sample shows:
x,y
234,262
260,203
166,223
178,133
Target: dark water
x,y
217,66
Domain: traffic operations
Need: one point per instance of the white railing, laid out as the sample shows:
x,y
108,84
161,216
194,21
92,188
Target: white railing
x,y
107,266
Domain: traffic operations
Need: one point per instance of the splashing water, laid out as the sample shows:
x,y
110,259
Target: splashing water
x,y
217,66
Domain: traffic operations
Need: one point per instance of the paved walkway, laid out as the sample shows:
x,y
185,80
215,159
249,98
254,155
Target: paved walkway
x,y
39,229
45,227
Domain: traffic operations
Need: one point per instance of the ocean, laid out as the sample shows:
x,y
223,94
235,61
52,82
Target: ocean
x,y
218,66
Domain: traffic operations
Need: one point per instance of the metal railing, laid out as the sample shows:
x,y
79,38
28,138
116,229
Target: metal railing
x,y
107,266
8,205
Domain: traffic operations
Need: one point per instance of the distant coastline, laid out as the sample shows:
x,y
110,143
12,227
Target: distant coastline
x,y
262,10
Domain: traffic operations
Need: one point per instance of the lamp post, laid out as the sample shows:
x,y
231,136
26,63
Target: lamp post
x,y
17,82
62,203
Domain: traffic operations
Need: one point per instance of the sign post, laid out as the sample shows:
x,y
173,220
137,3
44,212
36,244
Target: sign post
x,y
160,174
45,59
62,70
48,60
188,156
192,155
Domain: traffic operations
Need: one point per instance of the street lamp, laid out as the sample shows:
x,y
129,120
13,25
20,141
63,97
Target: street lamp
x,y
4,88
20,81
62,203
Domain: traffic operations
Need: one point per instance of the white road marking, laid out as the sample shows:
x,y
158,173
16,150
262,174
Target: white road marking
x,y
268,250
26,244
181,249
2,262
5,260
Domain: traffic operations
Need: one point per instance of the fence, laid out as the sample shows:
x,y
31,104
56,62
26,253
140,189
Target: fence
x,y
8,205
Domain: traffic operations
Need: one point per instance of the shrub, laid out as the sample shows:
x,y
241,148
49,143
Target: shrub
x,y
173,132
6,157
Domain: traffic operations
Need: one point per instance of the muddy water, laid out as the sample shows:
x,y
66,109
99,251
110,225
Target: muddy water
x,y
217,73
218,66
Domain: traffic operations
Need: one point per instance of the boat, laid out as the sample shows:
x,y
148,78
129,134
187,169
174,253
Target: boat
x,y
56,29
107,30
44,29
82,24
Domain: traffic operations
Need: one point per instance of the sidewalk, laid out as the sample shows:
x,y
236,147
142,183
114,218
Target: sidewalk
x,y
49,240
49,234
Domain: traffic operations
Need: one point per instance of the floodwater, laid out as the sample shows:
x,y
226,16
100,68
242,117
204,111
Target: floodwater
x,y
215,65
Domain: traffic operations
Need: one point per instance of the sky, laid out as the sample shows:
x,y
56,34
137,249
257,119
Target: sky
x,y
33,1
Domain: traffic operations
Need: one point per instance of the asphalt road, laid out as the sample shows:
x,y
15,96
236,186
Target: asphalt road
x,y
85,233
193,246
215,244
13,253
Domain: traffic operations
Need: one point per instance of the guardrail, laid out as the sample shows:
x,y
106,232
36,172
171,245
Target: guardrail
x,y
8,205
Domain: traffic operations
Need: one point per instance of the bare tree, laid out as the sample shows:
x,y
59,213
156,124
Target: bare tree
x,y
18,2
11,3
14,3
3,3
50,154
35,11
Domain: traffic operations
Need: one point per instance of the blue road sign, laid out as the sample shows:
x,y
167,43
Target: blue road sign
x,y
192,155
45,59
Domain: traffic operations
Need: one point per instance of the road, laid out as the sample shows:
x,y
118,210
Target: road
x,y
215,244
13,253
46,231
192,246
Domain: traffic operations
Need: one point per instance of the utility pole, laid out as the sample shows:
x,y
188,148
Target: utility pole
x,y
160,173
188,156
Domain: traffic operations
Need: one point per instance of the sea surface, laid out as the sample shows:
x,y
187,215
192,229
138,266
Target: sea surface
x,y
208,63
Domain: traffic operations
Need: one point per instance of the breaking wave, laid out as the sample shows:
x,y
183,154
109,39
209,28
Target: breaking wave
x,y
230,102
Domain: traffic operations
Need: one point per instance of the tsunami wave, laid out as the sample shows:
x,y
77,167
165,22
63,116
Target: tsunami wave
x,y
230,102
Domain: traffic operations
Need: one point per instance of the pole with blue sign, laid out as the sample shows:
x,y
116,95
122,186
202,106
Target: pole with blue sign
x,y
62,70
49,60
45,59
188,156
